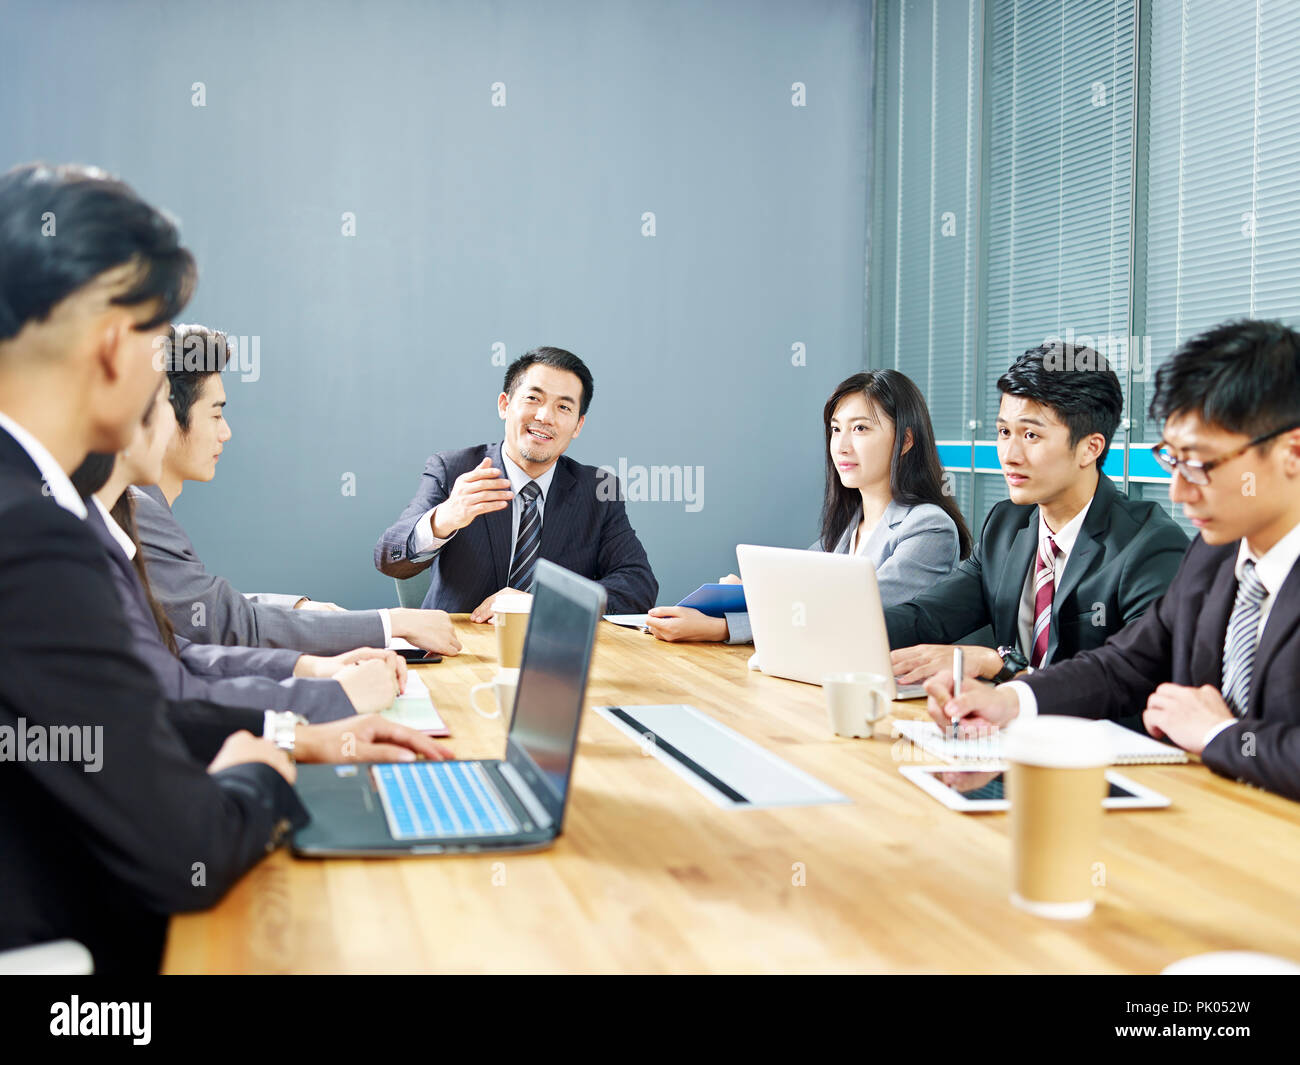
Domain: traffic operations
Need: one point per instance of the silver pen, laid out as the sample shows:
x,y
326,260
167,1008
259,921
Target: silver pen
x,y
958,672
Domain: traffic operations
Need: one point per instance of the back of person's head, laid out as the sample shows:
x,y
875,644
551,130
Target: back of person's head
x,y
1076,383
64,227
195,353
557,358
1242,376
915,473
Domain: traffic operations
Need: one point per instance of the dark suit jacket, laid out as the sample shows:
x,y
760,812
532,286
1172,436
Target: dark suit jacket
x,y
103,857
1125,556
1180,640
584,529
253,677
181,581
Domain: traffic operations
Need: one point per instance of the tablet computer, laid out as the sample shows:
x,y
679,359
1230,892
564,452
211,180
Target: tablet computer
x,y
979,788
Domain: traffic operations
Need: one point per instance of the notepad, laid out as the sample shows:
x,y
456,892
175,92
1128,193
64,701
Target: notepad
x,y
628,621
1129,747
414,708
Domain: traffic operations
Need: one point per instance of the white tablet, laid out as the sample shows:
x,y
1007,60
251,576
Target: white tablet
x,y
977,788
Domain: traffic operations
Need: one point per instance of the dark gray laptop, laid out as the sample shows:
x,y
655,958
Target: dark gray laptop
x,y
516,803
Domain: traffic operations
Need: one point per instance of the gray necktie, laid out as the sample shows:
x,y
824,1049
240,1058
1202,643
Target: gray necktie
x,y
529,541
1243,637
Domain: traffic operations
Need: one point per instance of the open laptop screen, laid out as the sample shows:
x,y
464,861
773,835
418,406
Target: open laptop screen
x,y
553,682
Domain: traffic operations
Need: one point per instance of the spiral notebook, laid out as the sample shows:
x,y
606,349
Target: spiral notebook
x,y
1130,748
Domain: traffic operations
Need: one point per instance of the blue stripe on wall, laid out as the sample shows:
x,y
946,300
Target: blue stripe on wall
x,y
956,456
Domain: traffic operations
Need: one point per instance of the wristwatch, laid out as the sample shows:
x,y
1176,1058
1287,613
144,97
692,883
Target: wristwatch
x,y
1013,662
281,729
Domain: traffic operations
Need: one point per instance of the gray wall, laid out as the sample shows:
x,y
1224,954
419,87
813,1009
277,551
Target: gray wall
x,y
477,225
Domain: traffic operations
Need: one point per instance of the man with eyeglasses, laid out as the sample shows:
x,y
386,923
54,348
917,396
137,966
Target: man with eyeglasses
x,y
1216,662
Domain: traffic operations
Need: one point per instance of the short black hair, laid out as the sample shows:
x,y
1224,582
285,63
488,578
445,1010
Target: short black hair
x,y
194,353
1076,382
1242,376
561,360
63,226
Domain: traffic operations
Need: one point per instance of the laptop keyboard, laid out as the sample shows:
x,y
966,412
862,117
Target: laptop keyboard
x,y
424,800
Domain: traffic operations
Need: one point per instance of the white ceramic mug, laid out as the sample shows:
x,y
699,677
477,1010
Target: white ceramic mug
x,y
855,701
502,686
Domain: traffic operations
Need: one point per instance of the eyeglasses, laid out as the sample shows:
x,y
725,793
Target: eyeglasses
x,y
1199,472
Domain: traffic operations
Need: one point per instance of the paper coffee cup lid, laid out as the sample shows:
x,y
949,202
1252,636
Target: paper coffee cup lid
x,y
1233,963
1058,742
512,603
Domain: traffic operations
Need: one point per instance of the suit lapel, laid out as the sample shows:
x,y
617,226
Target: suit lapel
x,y
1011,582
555,515
1212,624
1282,620
498,530
889,520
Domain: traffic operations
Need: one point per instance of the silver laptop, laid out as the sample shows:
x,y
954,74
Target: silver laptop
x,y
515,803
814,613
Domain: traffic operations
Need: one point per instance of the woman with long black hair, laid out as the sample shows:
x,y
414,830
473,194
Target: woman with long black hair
x,y
884,499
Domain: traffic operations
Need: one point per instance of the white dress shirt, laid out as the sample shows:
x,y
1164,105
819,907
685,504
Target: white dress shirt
x,y
1272,569
426,545
1064,540
115,530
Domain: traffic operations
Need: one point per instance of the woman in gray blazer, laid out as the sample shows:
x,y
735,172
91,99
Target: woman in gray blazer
x,y
884,499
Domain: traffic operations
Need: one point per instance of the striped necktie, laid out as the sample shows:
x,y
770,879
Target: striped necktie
x,y
1044,589
1243,637
529,541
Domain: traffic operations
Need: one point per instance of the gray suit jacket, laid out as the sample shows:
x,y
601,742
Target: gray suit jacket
x,y
911,548
232,676
182,584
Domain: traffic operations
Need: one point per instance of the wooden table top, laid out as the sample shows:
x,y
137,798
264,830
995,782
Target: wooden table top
x,y
650,876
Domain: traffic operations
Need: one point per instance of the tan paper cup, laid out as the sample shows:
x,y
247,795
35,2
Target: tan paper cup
x,y
510,615
1056,779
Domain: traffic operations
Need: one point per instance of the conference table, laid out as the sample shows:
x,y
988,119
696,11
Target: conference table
x,y
650,876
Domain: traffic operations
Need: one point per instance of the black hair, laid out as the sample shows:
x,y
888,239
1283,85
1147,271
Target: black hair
x,y
561,360
88,478
1242,376
1076,382
194,353
63,226
915,475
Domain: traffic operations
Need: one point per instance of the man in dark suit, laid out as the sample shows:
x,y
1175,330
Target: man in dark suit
x,y
117,807
1216,662
1064,563
483,515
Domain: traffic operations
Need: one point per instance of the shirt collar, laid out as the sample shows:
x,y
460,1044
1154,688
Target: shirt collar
x,y
1273,567
58,483
518,478
115,530
1069,532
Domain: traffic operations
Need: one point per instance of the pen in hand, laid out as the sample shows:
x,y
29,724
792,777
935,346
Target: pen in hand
x,y
958,672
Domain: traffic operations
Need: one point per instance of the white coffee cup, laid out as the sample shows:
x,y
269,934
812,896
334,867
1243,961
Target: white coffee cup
x,y
856,701
1056,780
502,686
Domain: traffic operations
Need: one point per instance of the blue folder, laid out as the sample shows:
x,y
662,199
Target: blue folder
x,y
717,599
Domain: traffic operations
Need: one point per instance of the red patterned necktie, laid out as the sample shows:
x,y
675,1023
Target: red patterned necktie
x,y
1044,588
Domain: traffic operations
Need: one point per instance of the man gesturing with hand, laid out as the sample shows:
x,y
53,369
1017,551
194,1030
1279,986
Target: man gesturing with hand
x,y
483,516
